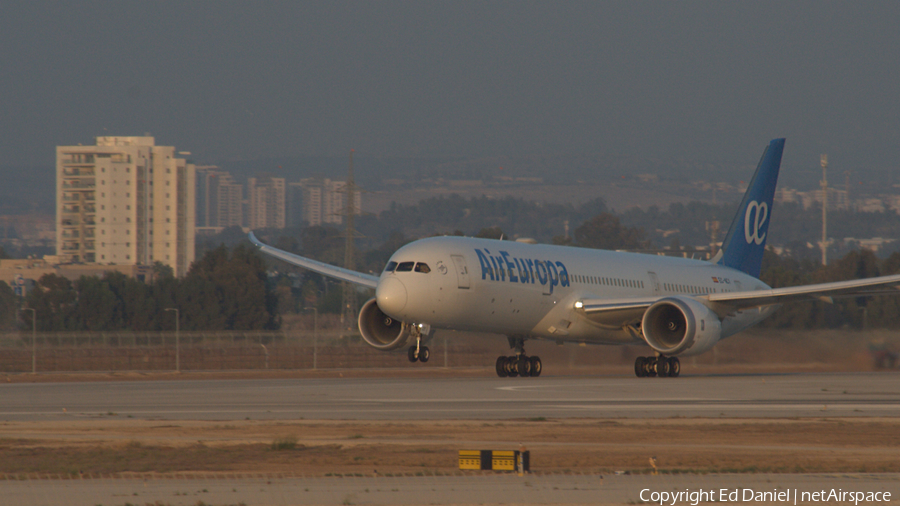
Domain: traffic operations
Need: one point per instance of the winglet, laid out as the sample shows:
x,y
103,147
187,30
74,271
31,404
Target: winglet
x,y
745,243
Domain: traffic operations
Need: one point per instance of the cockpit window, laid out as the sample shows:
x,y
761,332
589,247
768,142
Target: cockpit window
x,y
405,266
423,267
390,266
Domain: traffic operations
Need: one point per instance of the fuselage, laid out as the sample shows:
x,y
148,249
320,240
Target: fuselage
x,y
531,290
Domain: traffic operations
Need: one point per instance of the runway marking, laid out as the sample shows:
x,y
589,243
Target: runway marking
x,y
662,408
530,400
816,406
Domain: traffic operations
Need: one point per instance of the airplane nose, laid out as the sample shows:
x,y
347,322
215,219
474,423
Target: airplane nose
x,y
390,296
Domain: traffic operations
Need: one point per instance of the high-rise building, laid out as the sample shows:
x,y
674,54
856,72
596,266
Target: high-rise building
x,y
229,203
266,202
125,200
318,201
207,179
294,199
219,200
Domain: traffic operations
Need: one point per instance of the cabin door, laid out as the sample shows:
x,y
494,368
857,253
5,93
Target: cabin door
x,y
462,272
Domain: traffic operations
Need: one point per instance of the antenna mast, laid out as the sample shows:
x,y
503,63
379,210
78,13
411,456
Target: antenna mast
x,y
824,161
349,305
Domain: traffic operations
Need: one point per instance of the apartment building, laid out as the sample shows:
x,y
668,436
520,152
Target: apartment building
x,y
125,200
318,201
220,200
266,202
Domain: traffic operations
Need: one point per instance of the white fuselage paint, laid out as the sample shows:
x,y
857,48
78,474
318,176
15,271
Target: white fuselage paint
x,y
465,291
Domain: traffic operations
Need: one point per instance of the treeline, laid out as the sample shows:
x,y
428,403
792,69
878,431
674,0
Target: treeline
x,y
224,290
454,214
792,228
229,288
882,311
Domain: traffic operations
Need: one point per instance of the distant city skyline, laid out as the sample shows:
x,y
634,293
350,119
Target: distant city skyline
x,y
705,82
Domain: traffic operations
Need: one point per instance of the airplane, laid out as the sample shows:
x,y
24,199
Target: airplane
x,y
676,306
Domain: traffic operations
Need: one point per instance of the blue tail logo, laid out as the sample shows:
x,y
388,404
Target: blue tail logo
x,y
744,251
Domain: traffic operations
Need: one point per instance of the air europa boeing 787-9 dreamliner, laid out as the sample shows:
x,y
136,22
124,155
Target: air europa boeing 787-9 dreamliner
x,y
676,306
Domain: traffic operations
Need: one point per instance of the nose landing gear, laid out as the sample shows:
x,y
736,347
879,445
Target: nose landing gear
x,y
418,352
661,366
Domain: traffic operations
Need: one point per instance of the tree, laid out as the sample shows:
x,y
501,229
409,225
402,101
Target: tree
x,y
53,298
375,259
162,271
605,232
228,292
8,304
98,308
490,233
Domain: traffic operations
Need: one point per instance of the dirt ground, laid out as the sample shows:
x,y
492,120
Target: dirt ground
x,y
109,445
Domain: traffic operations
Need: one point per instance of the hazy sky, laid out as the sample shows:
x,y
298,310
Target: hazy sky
x,y
706,81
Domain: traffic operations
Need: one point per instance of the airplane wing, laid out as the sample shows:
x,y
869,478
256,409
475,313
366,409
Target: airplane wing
x,y
824,291
617,313
329,270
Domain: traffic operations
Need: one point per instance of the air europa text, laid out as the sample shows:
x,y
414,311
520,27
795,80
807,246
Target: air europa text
x,y
504,267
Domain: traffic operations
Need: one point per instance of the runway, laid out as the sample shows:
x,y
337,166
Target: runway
x,y
735,396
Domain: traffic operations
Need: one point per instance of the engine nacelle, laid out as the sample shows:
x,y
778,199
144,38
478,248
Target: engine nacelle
x,y
381,331
681,326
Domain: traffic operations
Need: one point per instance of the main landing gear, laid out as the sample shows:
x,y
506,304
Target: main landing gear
x,y
519,365
657,366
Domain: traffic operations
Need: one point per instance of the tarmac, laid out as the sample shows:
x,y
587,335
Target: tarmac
x,y
374,398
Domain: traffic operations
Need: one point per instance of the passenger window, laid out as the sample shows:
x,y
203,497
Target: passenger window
x,y
390,267
405,266
420,267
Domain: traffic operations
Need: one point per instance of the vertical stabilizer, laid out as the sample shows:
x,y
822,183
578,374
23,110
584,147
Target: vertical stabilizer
x,y
745,243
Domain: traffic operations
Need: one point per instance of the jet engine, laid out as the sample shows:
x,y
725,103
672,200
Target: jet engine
x,y
680,326
381,331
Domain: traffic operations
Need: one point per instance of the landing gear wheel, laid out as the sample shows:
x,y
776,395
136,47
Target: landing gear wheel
x,y
640,367
536,366
501,367
523,366
650,366
424,354
411,354
674,367
662,367
511,367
